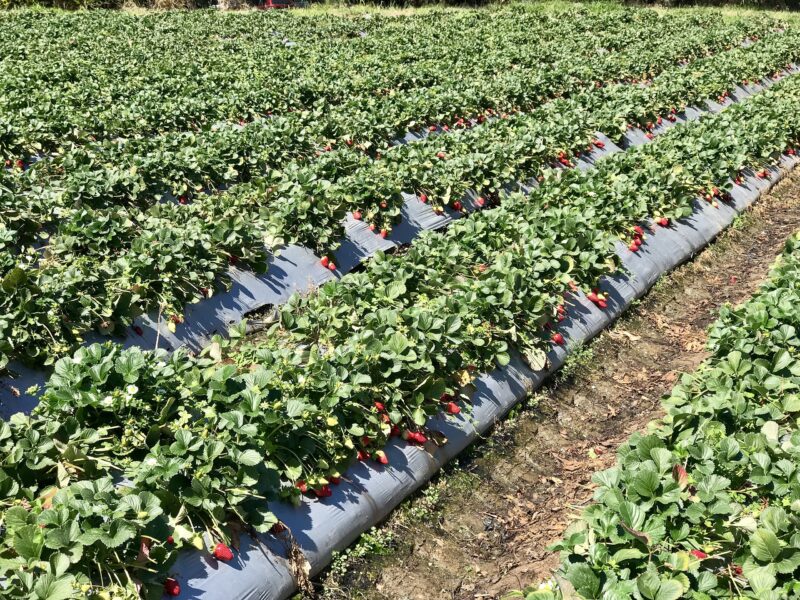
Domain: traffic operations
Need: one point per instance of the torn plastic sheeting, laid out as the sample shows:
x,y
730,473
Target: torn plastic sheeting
x,y
294,269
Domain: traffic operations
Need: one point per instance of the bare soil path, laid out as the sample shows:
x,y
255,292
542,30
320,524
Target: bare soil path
x,y
483,527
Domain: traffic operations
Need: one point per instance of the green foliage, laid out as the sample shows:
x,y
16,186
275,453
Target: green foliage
x,y
375,542
708,505
204,442
129,447
114,250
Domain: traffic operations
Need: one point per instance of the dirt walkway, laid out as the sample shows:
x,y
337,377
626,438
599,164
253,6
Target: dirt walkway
x,y
483,527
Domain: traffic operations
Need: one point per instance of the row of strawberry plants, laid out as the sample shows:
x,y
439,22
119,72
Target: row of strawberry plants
x,y
153,84
515,148
139,170
204,442
102,267
707,503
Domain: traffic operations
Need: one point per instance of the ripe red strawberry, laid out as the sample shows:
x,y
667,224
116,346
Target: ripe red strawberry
x,y
599,144
790,151
385,418
233,260
423,198
441,155
170,539
8,163
277,528
381,457
332,266
349,142
413,437
357,215
19,164
335,480
737,569
383,204
699,554
182,199
480,201
739,180
172,587
380,406
638,229
328,148
557,338
634,247
680,476
138,330
394,431
592,297
432,128
672,118
663,221
453,408
649,135
366,441
445,128
456,205
222,552
384,233
372,226
323,491
602,304
362,455
302,486
324,261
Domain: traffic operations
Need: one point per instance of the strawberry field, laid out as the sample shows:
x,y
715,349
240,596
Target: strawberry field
x,y
153,161
705,506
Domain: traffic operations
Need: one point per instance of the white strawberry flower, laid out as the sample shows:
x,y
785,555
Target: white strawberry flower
x,y
132,389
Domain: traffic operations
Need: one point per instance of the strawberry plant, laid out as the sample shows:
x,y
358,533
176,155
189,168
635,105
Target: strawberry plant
x,y
705,506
